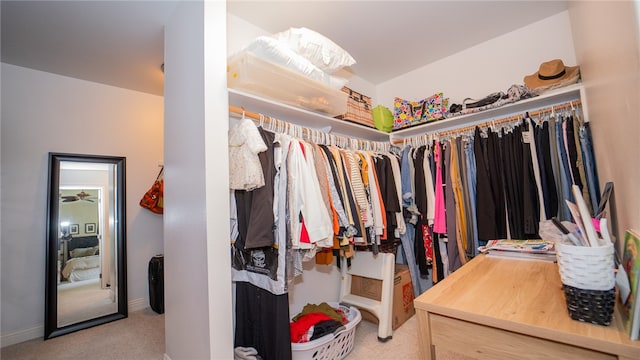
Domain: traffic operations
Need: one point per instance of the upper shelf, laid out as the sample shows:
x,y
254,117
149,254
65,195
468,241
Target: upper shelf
x,y
304,117
325,123
550,98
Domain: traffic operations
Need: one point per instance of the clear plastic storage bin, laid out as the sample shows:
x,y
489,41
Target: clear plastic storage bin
x,y
252,74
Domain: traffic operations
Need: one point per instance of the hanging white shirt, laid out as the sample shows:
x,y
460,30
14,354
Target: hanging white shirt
x,y
395,166
305,200
245,143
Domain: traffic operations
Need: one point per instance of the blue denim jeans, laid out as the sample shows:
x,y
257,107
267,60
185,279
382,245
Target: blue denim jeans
x,y
405,178
565,177
471,176
589,162
408,241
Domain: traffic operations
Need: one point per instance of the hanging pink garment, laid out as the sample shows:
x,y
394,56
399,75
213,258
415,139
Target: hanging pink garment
x,y
439,218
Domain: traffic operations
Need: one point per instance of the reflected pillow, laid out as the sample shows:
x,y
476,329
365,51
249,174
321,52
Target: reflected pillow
x,y
81,252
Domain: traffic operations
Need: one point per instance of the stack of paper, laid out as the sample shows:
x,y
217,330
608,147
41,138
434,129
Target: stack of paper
x,y
531,249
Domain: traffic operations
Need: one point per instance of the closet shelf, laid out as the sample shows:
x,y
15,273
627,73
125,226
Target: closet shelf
x,y
569,93
324,123
303,117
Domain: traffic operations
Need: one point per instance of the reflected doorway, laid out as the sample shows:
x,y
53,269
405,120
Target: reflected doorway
x,y
84,278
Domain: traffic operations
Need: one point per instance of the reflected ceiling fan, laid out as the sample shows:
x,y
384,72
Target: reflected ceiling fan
x,y
81,196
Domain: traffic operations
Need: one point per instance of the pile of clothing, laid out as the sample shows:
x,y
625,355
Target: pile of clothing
x,y
316,321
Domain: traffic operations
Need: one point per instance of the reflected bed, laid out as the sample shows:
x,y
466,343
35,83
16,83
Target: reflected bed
x,y
82,259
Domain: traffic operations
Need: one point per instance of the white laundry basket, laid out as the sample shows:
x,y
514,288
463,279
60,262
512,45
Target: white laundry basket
x,y
332,346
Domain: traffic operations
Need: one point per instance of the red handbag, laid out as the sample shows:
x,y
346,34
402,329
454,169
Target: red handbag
x,y
153,199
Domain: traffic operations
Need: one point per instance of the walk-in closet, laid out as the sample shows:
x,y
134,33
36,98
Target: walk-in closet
x,y
515,120
75,89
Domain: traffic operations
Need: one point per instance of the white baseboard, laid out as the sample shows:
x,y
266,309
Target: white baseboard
x,y
38,331
21,336
166,357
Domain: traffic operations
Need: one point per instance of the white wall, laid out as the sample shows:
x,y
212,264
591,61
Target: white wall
x,y
41,113
198,321
488,67
609,56
217,187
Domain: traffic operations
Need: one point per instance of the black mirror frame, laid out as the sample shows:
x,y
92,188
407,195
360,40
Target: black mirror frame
x,y
51,328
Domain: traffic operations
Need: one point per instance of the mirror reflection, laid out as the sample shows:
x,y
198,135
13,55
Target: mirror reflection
x,y
86,283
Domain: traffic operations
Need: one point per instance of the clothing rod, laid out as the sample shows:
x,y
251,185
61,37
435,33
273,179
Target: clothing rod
x,y
267,119
241,111
312,134
533,113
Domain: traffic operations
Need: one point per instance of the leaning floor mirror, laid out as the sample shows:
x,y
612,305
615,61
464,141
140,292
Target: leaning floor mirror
x,y
86,246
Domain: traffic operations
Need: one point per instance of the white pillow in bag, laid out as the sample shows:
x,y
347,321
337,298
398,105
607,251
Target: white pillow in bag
x,y
278,52
315,47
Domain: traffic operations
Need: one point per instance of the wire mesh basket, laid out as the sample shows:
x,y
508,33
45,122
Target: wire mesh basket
x,y
588,279
332,346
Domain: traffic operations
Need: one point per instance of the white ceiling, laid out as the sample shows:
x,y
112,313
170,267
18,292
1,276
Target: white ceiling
x,y
390,38
120,43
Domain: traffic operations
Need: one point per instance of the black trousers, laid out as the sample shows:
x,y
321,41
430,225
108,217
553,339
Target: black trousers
x,y
262,321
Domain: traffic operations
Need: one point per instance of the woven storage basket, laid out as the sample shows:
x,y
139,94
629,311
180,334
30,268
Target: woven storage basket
x,y
333,346
592,306
359,109
588,279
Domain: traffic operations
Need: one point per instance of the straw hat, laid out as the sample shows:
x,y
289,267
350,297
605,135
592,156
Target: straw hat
x,y
552,72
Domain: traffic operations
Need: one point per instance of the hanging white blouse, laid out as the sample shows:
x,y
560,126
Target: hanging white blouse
x,y
318,221
395,166
305,200
376,207
245,143
431,195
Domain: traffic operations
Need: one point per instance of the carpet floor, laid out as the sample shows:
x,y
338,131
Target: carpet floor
x,y
138,337
141,337
84,300
403,346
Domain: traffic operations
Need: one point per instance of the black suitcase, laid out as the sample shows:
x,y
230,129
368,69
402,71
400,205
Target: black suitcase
x,y
156,283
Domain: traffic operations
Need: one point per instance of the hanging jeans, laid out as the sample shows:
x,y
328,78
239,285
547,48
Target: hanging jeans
x,y
471,175
565,181
408,240
405,178
590,165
